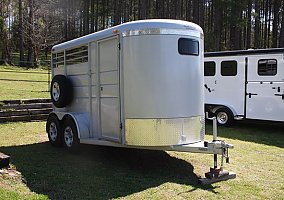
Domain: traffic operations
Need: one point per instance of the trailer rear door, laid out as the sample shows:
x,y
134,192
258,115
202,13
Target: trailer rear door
x,y
265,87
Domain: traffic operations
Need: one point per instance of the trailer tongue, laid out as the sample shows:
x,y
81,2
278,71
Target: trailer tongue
x,y
216,147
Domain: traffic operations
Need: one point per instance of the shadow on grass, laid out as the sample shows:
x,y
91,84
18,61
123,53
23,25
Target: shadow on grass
x,y
98,172
257,131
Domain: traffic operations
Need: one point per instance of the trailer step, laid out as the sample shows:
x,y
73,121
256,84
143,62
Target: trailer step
x,y
239,117
225,177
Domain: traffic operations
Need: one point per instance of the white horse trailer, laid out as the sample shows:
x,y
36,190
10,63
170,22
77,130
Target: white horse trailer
x,y
136,85
246,84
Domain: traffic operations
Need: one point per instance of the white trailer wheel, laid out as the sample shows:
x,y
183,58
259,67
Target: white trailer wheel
x,y
70,134
53,132
53,129
224,117
55,91
61,91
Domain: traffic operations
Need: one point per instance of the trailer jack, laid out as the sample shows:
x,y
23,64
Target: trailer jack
x,y
216,173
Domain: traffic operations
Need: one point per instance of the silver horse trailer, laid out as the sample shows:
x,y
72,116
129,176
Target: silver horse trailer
x,y
137,85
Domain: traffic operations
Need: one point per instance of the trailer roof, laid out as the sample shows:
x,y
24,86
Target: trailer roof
x,y
131,26
244,52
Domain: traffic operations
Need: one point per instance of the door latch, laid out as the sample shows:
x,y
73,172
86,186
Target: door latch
x,y
281,95
278,88
251,94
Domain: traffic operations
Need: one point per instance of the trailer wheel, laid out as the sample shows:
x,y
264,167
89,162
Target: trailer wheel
x,y
53,129
70,135
224,117
61,91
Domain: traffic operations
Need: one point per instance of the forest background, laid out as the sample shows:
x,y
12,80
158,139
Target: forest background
x,y
29,28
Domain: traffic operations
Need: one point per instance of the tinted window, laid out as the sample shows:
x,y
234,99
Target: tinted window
x,y
267,67
188,46
229,68
209,69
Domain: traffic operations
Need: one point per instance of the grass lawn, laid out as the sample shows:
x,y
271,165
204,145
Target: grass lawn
x,y
20,85
106,173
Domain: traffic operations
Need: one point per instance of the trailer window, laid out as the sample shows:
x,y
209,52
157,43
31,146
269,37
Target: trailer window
x,y
209,69
267,67
77,55
188,46
229,68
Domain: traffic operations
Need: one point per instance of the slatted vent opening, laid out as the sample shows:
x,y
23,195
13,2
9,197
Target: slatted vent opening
x,y
72,56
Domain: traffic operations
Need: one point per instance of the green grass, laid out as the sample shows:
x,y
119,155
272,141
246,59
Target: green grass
x,y
110,173
21,86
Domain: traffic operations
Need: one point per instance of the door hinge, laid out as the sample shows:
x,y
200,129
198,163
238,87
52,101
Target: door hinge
x,y
121,126
118,46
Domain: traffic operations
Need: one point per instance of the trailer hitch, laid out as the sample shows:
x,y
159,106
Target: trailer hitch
x,y
215,147
216,173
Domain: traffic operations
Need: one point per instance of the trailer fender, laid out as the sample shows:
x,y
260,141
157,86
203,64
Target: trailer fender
x,y
81,120
214,108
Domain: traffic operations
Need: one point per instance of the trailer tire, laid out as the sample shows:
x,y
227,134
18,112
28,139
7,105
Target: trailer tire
x,y
224,117
53,129
70,135
61,91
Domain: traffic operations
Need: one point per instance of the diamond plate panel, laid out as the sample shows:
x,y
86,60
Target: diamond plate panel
x,y
163,132
202,131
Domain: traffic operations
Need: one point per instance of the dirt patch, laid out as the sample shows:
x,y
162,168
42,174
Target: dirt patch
x,y
9,173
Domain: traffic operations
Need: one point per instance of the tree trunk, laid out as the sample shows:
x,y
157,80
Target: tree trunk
x,y
167,9
195,6
65,13
269,25
235,27
21,38
276,6
201,13
92,16
176,14
35,49
116,12
8,52
31,33
218,24
103,15
265,36
248,38
257,25
188,10
281,42
97,16
86,17
139,9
